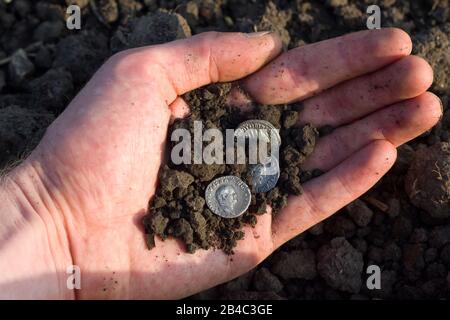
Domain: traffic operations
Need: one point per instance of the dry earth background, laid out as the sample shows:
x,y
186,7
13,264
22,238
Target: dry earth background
x,y
405,231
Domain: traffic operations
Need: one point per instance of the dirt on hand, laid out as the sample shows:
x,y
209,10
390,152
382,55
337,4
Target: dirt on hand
x,y
178,208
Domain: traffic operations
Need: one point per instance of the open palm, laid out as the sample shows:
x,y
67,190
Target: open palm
x,y
98,162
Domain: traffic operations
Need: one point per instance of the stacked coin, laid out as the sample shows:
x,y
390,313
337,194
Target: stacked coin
x,y
265,175
229,196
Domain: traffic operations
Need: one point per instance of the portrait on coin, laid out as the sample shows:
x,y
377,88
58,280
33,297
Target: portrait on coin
x,y
226,198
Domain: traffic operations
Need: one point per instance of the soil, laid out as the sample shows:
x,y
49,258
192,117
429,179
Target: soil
x,y
401,224
178,209
428,182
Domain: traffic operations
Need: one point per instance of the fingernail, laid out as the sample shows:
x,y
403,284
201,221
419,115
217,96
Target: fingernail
x,y
257,34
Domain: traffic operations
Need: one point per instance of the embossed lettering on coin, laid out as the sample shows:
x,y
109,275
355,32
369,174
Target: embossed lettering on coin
x,y
251,129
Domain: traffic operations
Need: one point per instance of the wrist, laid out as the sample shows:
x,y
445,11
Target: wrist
x,y
34,248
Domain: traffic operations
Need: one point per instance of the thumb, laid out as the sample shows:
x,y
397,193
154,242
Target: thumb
x,y
184,65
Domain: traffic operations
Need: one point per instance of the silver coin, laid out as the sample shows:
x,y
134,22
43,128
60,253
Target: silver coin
x,y
251,129
228,196
265,175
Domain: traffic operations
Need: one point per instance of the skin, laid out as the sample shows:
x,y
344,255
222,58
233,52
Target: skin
x,y
79,197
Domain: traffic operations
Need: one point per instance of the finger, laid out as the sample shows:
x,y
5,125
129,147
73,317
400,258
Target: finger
x,y
330,192
180,66
179,109
397,124
304,71
404,79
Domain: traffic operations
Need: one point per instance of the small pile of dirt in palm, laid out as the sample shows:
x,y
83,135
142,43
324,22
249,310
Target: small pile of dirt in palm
x,y
178,208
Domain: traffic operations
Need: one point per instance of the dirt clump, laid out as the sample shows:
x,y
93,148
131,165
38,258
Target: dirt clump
x,y
51,90
297,264
20,131
81,54
20,68
154,28
428,180
340,265
433,45
107,9
360,213
266,281
275,20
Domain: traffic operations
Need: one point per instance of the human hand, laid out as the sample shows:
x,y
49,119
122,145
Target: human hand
x,y
83,191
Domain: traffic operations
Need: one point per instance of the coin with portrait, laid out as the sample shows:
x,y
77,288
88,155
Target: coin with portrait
x,y
228,196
